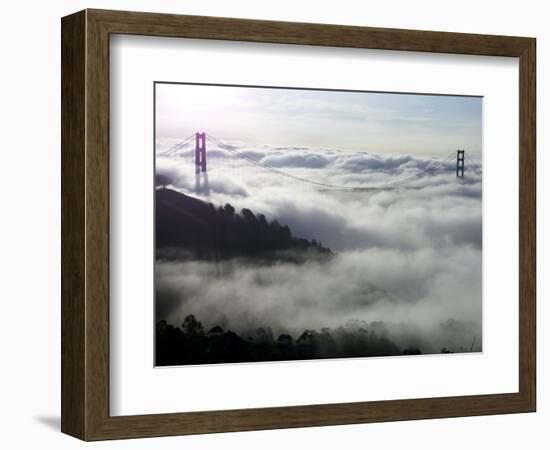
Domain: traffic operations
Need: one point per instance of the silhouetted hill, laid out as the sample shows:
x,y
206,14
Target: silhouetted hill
x,y
204,231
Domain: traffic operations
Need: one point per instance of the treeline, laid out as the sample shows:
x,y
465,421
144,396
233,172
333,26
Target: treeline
x,y
221,232
192,344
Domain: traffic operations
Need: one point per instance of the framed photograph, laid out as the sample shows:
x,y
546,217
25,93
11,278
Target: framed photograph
x,y
272,225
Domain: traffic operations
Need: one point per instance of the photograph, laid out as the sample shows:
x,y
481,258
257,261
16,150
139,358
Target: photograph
x,y
304,224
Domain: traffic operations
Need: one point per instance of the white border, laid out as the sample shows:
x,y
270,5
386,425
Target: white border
x,y
138,388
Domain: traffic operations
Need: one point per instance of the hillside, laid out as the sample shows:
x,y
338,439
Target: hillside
x,y
201,230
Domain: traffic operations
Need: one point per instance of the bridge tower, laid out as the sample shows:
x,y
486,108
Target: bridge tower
x,y
460,163
200,152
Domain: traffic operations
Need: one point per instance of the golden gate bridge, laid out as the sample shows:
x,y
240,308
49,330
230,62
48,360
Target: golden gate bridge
x,y
406,182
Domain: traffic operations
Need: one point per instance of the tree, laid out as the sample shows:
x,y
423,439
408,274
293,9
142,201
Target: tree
x,y
229,210
412,351
285,233
191,326
248,215
215,331
284,339
262,220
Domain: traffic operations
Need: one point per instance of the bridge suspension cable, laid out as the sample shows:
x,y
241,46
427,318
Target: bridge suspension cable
x,y
178,146
393,185
429,170
402,182
473,165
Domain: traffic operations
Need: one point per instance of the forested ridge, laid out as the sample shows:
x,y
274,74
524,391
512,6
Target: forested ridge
x,y
206,231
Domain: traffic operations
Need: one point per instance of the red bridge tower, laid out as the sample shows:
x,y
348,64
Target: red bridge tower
x,y
200,152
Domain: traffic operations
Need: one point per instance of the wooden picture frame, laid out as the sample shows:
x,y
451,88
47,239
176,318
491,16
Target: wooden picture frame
x,y
85,224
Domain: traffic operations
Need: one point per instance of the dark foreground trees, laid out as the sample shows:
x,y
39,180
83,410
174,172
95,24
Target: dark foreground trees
x,y
191,344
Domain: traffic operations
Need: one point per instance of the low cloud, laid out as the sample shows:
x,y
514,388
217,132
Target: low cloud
x,y
410,254
297,159
402,290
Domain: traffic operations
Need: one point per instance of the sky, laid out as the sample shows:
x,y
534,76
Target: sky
x,y
358,121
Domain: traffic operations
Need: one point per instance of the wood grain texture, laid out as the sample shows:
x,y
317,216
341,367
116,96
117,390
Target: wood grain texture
x,y
151,24
527,224
73,227
85,224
